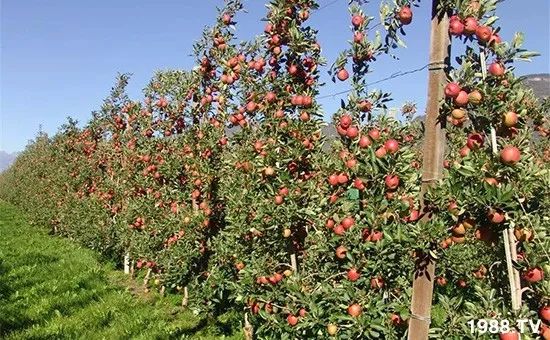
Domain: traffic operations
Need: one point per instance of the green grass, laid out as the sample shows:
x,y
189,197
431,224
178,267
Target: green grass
x,y
51,288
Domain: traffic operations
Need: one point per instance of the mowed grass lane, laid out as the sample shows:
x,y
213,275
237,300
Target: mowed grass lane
x,y
51,288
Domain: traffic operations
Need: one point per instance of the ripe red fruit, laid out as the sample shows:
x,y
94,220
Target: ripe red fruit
x,y
358,184
270,97
339,230
292,320
391,145
392,182
465,151
357,20
376,282
510,119
496,69
251,107
302,312
308,101
405,15
374,134
375,236
544,313
345,121
352,132
365,106
496,216
333,180
380,152
348,222
341,252
456,27
462,98
533,275
226,19
510,155
470,25
364,142
452,90
330,223
342,75
441,281
353,275
279,200
484,33
343,178
283,191
396,319
475,141
358,37
511,335
355,310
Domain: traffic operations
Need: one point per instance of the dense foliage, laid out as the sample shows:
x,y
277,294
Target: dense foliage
x,y
221,186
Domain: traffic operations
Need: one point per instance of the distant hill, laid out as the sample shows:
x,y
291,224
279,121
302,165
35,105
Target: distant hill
x,y
6,159
540,83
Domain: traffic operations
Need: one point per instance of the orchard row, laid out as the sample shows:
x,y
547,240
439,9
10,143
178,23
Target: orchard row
x,y
220,185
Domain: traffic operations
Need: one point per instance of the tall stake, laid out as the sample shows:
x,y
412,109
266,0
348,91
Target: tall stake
x,y
433,154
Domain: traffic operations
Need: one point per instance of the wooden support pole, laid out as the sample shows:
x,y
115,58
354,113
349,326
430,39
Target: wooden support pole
x,y
248,330
293,263
127,263
185,300
433,155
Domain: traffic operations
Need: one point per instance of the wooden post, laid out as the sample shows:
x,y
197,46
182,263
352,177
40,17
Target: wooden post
x,y
248,330
127,263
293,263
185,299
433,155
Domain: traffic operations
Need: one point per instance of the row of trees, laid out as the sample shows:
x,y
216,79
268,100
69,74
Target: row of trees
x,y
220,186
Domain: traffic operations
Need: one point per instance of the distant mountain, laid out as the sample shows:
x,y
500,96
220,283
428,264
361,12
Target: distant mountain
x,y
540,83
6,159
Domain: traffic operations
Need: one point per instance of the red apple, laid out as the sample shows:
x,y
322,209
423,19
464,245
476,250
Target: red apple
x,y
354,310
465,151
339,230
392,182
405,15
352,132
496,69
470,25
452,90
342,75
475,141
357,20
345,121
533,275
380,152
348,222
510,119
510,155
496,216
456,27
484,33
391,145
462,98
364,142
341,252
292,320
353,274
544,313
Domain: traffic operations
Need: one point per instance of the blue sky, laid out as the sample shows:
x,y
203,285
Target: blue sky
x,y
60,57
